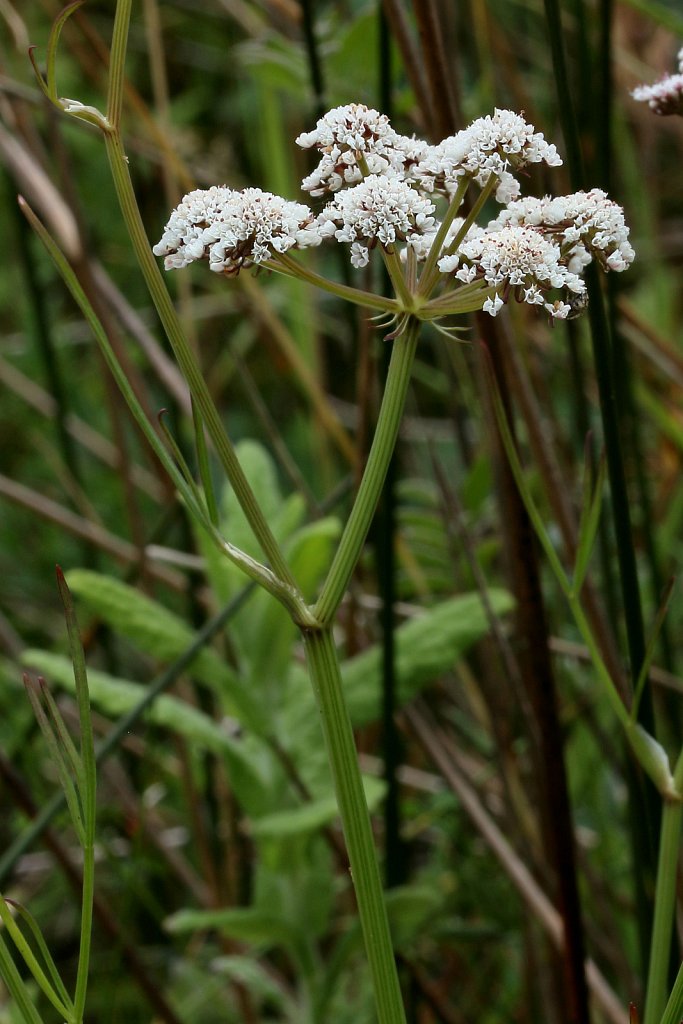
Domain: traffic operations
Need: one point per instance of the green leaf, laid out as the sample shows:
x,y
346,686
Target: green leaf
x,y
161,634
58,754
16,986
262,986
245,924
50,965
426,647
115,697
53,46
311,816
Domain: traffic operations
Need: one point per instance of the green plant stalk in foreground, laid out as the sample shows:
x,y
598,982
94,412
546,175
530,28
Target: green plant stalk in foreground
x,y
323,666
315,623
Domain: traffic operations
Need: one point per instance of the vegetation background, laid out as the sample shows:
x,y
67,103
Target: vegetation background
x,y
222,889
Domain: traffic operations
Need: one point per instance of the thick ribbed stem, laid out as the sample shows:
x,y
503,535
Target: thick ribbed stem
x,y
323,666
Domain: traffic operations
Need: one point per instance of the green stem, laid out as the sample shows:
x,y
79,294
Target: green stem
x,y
285,264
186,360
88,892
284,592
428,281
394,269
164,306
437,244
665,905
323,667
87,786
364,507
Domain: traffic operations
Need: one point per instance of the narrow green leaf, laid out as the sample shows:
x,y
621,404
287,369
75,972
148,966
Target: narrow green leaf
x,y
63,737
58,758
16,986
204,464
29,959
651,646
53,45
38,73
40,942
88,775
179,457
590,517
520,479
673,1014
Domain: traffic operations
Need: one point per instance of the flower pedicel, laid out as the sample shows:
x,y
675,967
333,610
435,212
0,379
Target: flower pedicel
x,y
383,193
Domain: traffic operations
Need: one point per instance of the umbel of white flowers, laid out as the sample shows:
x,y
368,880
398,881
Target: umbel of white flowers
x,y
402,196
666,96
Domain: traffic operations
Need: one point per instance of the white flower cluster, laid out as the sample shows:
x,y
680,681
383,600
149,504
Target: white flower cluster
x,y
587,225
519,258
384,188
666,96
490,145
535,245
381,208
234,229
355,140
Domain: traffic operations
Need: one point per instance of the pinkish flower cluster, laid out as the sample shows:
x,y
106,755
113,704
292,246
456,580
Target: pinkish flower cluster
x,y
666,96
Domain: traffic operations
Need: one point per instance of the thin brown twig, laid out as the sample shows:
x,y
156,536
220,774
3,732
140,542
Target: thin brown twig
x,y
120,549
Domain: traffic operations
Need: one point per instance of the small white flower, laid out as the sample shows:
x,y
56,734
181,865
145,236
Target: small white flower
x,y
533,295
380,208
558,310
234,229
449,264
351,127
493,306
466,274
360,255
